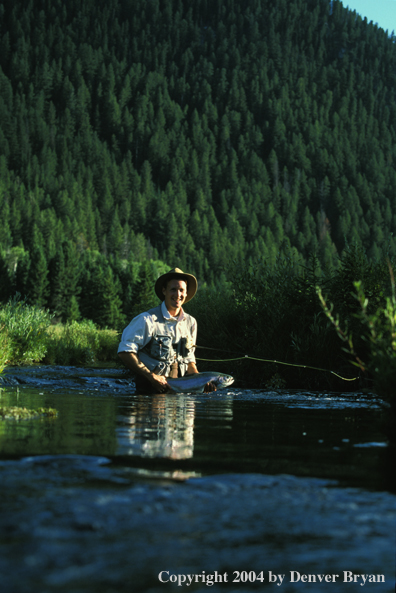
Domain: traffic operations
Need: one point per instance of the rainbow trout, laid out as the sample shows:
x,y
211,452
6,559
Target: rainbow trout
x,y
197,381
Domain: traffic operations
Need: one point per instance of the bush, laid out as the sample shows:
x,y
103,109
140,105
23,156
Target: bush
x,y
378,331
27,336
4,348
268,313
272,312
79,343
24,326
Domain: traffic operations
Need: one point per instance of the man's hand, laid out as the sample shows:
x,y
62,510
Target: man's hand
x,y
159,382
133,363
191,369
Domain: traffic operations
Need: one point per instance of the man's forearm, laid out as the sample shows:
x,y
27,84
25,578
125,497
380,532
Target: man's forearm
x,y
132,362
191,368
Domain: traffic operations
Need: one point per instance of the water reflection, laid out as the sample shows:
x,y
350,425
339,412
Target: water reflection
x,y
84,425
163,425
336,436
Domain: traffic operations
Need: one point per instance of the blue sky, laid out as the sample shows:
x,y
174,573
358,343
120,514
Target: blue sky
x,y
382,12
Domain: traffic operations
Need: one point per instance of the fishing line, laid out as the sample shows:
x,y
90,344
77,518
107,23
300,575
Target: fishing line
x,y
289,364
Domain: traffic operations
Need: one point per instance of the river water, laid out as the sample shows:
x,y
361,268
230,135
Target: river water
x,y
246,489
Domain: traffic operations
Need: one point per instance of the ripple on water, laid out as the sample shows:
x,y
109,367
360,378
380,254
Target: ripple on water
x,y
309,400
97,526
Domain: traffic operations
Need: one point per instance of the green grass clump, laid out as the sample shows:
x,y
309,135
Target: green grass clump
x,y
79,343
27,336
17,413
4,348
23,328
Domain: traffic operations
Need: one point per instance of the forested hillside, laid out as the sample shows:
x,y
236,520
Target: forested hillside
x,y
195,133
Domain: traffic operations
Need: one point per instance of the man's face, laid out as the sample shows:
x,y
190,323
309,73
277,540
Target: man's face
x,y
175,294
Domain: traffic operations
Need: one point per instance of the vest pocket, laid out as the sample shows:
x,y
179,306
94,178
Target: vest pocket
x,y
161,347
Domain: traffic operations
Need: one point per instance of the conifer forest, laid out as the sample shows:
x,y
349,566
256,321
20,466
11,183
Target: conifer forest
x,y
139,134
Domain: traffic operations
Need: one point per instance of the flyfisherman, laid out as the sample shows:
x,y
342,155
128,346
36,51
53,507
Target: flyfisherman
x,y
160,343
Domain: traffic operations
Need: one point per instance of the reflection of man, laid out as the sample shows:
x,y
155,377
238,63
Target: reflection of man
x,y
160,342
161,426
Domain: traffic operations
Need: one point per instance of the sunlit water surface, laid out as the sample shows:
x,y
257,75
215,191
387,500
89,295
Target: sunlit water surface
x,y
121,486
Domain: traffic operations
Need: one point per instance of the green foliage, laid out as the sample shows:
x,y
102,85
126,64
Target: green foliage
x,y
5,350
18,413
278,318
356,266
28,336
233,132
381,326
273,313
143,296
64,282
38,283
378,329
80,343
25,327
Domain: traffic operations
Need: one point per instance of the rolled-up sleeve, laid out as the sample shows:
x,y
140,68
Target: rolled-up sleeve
x,y
137,334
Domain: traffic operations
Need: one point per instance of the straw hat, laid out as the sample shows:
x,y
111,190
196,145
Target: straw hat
x,y
176,273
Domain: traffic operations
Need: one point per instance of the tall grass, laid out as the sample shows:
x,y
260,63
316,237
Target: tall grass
x,y
24,331
4,348
80,343
27,336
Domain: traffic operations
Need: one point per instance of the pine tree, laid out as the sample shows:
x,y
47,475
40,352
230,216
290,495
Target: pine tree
x,y
37,285
65,277
216,104
143,295
6,280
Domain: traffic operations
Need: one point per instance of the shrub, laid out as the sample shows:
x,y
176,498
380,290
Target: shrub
x,y
378,331
78,343
272,312
24,326
4,348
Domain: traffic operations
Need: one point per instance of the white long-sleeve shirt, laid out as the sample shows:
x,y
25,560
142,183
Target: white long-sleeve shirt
x,y
141,329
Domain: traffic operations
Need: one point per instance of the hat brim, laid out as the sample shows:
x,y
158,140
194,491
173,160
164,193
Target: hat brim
x,y
191,281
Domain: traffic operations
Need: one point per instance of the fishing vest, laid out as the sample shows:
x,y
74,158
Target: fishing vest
x,y
160,353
